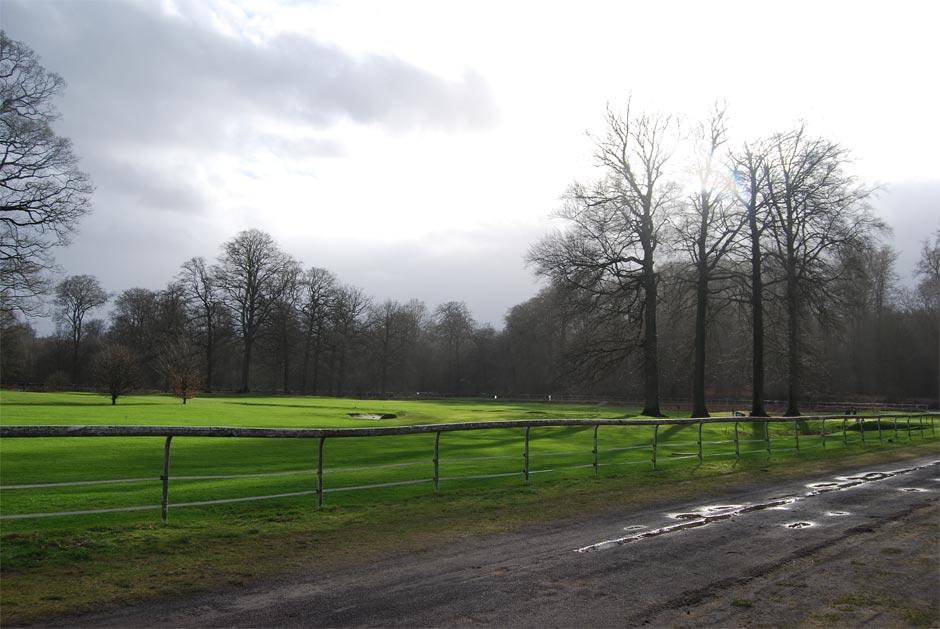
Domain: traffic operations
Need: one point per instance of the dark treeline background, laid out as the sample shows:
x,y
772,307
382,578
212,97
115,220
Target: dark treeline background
x,y
304,331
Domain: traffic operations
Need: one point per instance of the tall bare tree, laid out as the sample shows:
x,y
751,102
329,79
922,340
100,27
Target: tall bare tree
x,y
43,193
318,289
199,287
815,208
75,297
750,174
247,277
615,228
708,230
286,296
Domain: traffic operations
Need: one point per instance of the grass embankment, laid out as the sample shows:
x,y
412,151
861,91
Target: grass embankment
x,y
54,565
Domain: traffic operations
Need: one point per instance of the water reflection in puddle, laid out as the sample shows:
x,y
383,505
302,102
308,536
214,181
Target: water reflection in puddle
x,y
707,514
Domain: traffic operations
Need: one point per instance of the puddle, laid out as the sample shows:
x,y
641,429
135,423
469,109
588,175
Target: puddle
x,y
835,514
708,514
635,527
373,415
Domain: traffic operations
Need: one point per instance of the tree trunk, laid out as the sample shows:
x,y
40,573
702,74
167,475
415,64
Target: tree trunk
x,y
246,367
286,369
757,324
304,365
698,377
113,399
650,358
793,348
209,352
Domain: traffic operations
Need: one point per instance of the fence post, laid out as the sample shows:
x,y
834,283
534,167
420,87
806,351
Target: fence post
x,y
880,437
594,451
767,436
933,429
845,437
655,439
437,458
895,418
320,474
525,455
165,477
824,433
861,427
796,431
700,422
908,428
737,448
920,422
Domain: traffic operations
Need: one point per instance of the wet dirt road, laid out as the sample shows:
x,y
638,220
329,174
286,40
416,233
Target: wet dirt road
x,y
859,548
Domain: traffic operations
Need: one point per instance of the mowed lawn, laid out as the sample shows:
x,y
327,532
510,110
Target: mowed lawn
x,y
288,463
352,466
57,564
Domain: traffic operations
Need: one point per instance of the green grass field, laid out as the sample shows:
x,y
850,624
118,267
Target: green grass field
x,y
60,563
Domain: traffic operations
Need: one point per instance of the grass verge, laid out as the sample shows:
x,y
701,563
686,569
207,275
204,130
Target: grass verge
x,y
74,566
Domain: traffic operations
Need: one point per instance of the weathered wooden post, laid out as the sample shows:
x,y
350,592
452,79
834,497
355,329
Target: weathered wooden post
x,y
320,474
655,438
920,422
796,431
700,422
845,435
908,428
767,436
861,427
880,436
895,418
525,455
933,429
737,448
437,458
165,477
594,451
824,433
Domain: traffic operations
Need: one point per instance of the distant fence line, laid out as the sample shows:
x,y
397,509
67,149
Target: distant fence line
x,y
924,421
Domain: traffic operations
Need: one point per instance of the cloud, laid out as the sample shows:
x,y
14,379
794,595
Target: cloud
x,y
138,75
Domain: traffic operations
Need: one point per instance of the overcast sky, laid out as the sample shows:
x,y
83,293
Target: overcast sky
x,y
417,149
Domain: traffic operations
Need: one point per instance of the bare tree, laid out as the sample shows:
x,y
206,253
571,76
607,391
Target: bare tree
x,y
928,270
318,288
43,193
180,367
815,209
200,289
247,276
75,297
616,225
453,328
286,295
115,371
750,173
347,324
708,232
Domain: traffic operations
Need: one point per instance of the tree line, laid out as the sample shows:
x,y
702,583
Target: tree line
x,y
256,320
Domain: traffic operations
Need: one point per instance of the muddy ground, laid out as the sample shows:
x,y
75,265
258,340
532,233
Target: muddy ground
x,y
836,550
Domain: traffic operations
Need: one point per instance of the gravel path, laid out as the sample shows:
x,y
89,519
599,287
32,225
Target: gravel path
x,y
850,550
